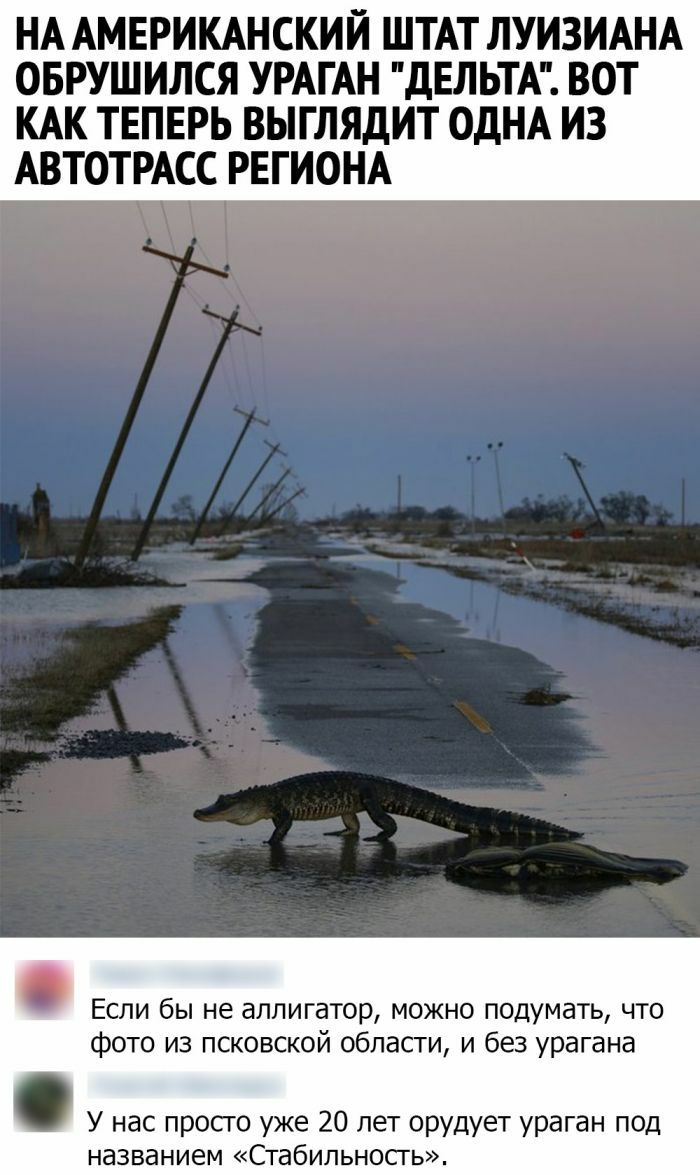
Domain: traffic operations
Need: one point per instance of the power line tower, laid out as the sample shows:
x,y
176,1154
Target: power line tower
x,y
185,266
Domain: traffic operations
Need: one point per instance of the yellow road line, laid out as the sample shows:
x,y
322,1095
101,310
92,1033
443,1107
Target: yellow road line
x,y
475,719
404,651
371,619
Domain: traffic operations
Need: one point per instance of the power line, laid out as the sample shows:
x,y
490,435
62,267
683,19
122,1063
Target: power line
x,y
266,406
149,235
167,225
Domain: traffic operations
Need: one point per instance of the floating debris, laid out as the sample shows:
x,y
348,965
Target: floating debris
x,y
543,695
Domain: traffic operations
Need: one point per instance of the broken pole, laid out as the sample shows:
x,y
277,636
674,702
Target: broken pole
x,y
185,265
230,324
577,466
276,448
250,419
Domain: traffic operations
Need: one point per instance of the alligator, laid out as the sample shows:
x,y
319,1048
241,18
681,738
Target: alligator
x,y
560,862
323,794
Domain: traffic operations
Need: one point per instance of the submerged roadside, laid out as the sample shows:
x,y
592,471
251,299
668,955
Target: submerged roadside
x,y
652,599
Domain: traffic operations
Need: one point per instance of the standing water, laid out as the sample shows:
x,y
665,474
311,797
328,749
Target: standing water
x,y
109,846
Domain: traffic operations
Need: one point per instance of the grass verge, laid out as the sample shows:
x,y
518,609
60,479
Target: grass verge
x,y
68,683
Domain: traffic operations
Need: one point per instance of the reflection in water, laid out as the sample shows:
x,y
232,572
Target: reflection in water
x,y
100,849
554,890
230,636
122,725
493,632
185,696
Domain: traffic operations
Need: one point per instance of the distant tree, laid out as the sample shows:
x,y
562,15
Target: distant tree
x,y
414,513
619,507
661,515
446,514
183,509
518,512
223,510
541,509
358,514
641,509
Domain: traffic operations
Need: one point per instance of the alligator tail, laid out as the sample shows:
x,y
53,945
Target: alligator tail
x,y
420,804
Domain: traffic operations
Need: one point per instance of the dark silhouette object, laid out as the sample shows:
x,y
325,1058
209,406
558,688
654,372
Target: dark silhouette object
x,y
41,507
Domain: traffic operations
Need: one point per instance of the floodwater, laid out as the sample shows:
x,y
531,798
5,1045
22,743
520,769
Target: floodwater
x,y
109,847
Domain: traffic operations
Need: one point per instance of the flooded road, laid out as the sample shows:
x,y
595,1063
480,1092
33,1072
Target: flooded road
x,y
109,847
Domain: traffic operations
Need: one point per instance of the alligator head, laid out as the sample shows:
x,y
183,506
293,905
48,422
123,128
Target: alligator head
x,y
244,808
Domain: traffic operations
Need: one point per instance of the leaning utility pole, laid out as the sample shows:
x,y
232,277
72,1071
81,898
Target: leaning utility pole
x,y
250,418
276,448
186,265
266,497
266,518
577,466
230,324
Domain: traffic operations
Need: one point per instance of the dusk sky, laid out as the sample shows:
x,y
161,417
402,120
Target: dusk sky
x,y
398,338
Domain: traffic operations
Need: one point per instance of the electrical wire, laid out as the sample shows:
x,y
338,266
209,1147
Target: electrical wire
x,y
149,234
167,225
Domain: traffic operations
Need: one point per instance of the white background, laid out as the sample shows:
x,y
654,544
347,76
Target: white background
x,y
649,152
658,1079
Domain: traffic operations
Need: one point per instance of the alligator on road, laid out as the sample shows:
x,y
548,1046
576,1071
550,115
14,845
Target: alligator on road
x,y
323,794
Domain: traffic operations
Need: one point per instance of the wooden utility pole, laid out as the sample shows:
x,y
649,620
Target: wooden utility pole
x,y
683,501
230,324
186,265
577,466
398,498
276,448
266,518
266,497
250,418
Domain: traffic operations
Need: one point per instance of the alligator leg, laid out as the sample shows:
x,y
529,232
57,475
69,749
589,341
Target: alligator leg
x,y
376,813
352,825
282,821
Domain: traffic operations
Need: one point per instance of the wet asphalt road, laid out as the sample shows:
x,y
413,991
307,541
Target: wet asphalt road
x,y
348,674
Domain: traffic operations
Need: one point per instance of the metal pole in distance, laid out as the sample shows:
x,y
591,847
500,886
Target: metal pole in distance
x,y
494,447
472,467
577,466
276,448
683,501
230,323
250,418
398,500
266,497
